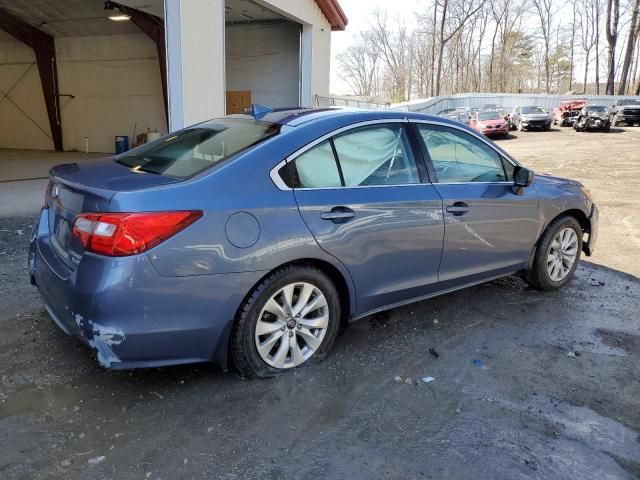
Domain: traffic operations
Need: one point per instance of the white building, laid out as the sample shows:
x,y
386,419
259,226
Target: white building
x,y
71,77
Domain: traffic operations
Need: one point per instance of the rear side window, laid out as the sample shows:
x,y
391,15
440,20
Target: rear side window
x,y
192,150
315,168
459,157
366,156
376,156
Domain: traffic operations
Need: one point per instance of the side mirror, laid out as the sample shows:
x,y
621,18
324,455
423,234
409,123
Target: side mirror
x,y
522,177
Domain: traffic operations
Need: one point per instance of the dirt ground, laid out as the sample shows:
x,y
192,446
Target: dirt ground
x,y
526,384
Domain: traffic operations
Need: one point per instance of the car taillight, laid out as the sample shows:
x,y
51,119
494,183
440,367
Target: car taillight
x,y
122,234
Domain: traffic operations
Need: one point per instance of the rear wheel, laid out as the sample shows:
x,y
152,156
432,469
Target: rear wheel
x,y
291,319
557,255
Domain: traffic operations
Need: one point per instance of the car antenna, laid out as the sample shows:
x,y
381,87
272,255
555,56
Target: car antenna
x,y
258,111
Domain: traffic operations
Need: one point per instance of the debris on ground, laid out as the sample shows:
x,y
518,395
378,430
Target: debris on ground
x,y
408,380
435,321
433,352
398,379
571,354
96,460
479,363
428,379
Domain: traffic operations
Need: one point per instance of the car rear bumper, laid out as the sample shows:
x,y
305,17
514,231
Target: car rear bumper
x,y
129,314
590,244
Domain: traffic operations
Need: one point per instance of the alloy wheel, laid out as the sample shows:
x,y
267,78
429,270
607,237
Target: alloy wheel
x,y
562,254
292,325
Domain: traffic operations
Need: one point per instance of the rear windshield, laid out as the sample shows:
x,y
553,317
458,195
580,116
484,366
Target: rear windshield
x,y
194,149
489,116
533,110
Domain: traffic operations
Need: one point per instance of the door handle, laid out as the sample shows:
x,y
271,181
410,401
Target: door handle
x,y
338,214
458,208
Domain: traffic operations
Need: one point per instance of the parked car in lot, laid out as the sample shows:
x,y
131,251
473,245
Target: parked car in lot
x,y
530,117
249,240
625,111
567,113
457,115
490,123
593,117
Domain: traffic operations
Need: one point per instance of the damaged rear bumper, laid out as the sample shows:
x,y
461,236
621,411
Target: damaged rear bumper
x,y
130,315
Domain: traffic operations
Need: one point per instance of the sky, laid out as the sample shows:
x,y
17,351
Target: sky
x,y
359,13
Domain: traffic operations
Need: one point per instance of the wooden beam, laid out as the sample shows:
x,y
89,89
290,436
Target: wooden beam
x,y
44,47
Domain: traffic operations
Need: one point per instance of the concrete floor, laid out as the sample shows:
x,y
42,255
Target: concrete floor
x,y
531,411
29,164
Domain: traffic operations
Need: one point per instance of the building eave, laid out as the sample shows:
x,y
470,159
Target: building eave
x,y
334,13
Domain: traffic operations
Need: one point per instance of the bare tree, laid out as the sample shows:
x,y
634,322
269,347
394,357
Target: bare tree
x,y
612,18
454,15
587,28
358,65
543,9
634,31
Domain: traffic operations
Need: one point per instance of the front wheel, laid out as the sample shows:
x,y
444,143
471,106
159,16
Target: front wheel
x,y
557,255
291,319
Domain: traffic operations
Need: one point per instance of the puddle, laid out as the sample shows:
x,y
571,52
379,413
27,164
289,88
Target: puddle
x,y
55,401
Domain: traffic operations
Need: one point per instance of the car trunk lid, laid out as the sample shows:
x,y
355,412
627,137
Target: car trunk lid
x,y
87,187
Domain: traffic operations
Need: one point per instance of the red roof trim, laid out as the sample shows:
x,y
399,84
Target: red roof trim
x,y
334,13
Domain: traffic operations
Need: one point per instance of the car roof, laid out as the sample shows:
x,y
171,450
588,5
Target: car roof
x,y
294,117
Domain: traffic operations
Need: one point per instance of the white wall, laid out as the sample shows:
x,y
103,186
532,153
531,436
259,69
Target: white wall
x,y
116,83
307,12
265,59
194,32
16,129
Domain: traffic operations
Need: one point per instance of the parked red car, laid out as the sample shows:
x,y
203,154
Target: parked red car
x,y
490,123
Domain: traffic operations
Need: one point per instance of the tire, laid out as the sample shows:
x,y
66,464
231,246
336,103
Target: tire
x,y
245,356
539,276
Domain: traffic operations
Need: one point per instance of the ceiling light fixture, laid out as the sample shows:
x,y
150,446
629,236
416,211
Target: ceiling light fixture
x,y
119,18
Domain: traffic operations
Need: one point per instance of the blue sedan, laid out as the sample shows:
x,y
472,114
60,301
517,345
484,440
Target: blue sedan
x,y
250,239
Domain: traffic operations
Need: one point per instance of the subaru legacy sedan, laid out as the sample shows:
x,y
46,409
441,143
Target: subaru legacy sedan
x,y
249,240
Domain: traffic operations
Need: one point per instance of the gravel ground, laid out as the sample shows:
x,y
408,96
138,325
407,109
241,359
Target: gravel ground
x,y
526,384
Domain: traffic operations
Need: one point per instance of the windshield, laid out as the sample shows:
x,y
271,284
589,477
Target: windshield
x,y
628,102
489,116
598,109
533,110
194,149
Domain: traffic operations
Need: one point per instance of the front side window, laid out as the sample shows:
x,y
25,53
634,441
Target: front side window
x,y
459,157
194,149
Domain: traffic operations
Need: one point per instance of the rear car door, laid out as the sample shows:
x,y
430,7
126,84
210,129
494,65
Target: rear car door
x,y
367,202
489,229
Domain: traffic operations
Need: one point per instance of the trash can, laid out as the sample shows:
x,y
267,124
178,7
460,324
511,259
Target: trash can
x,y
122,143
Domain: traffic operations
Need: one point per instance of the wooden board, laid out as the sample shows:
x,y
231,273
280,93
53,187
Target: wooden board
x,y
238,101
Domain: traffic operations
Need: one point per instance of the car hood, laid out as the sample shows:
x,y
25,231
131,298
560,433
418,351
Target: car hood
x,y
547,178
535,116
492,123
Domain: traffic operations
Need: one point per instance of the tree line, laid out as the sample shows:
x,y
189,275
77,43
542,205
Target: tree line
x,y
510,46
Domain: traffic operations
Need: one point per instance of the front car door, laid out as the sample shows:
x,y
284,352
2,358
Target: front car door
x,y
489,229
366,199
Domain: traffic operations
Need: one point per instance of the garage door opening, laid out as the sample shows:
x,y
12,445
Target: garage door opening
x,y
262,50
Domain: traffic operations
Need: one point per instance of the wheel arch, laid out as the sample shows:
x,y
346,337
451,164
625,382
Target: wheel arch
x,y
576,213
338,275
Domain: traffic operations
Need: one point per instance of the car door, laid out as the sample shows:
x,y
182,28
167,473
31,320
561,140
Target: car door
x,y
489,229
365,197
